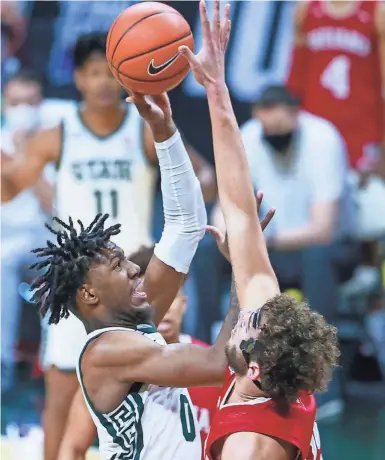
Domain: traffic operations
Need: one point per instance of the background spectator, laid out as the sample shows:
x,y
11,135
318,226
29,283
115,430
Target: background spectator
x,y
13,32
22,219
338,70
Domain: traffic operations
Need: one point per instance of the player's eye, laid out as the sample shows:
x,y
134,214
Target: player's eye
x,y
118,266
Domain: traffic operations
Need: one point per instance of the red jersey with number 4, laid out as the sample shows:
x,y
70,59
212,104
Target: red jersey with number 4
x,y
204,399
338,75
260,416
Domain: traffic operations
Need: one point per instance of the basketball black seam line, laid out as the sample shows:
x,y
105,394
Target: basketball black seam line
x,y
153,81
117,76
128,29
109,34
137,22
152,49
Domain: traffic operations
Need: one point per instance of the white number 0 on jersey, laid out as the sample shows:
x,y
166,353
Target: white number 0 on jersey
x,y
336,77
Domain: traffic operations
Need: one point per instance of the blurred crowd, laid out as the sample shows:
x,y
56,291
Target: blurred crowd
x,y
307,154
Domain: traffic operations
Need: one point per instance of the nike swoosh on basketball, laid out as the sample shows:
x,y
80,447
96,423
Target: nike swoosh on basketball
x,y
155,69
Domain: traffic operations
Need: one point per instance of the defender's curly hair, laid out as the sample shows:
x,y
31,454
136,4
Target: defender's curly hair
x,y
296,349
66,264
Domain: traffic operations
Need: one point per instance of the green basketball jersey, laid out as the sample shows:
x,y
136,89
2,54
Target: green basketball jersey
x,y
151,423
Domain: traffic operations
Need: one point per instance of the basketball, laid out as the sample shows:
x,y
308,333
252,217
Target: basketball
x,y
142,48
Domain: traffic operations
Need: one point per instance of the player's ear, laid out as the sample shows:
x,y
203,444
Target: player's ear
x,y
88,295
253,372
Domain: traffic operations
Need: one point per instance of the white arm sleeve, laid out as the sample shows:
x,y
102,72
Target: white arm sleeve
x,y
184,209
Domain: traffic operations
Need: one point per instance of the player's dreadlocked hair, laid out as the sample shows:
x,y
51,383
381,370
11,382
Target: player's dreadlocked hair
x,y
66,264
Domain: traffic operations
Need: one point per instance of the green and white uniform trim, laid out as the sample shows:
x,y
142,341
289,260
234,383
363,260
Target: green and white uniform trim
x,y
151,423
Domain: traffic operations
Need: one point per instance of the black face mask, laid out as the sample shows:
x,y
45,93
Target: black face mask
x,y
279,142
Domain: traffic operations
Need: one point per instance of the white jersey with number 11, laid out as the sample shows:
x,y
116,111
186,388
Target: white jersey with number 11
x,y
107,175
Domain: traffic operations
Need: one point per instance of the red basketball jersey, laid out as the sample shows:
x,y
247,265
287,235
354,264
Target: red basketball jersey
x,y
260,416
338,74
204,399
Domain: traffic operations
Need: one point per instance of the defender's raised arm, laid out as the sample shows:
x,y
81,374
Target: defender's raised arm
x,y
254,275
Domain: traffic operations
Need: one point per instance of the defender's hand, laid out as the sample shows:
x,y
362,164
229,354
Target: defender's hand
x,y
208,66
154,109
221,239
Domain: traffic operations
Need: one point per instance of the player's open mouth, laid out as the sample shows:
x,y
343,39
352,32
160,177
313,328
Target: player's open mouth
x,y
138,298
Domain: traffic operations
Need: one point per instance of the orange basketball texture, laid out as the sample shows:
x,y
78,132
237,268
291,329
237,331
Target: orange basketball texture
x,y
142,48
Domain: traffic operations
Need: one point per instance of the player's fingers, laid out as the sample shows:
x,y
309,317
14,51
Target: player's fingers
x,y
136,98
225,27
139,98
143,101
259,198
195,65
160,99
217,22
206,30
265,222
216,233
226,36
142,104
189,55
130,96
226,15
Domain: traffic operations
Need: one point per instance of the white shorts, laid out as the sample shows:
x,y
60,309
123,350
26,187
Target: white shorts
x,y
62,344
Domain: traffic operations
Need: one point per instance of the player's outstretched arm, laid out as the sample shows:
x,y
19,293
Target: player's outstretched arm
x,y
136,358
255,278
24,168
183,207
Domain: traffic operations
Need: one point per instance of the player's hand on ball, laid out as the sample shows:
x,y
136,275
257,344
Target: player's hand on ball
x,y
221,238
208,66
154,109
